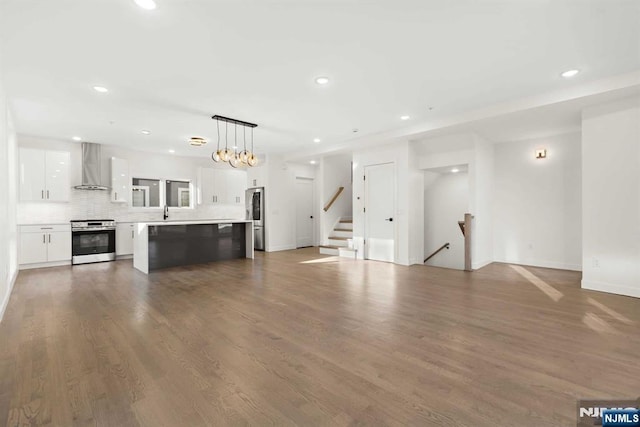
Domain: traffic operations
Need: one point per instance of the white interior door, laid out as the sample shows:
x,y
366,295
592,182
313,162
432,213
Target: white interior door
x,y
304,212
380,196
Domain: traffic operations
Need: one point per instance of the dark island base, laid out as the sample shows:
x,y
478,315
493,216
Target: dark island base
x,y
177,245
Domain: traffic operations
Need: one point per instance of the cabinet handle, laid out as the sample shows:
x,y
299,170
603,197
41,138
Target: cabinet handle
x,y
44,238
116,196
47,194
42,196
132,234
49,238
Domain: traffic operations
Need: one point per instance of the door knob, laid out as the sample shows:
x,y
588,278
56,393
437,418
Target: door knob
x,y
389,219
311,217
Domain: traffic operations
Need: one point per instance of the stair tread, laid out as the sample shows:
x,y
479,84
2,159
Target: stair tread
x,y
338,238
330,247
343,229
346,221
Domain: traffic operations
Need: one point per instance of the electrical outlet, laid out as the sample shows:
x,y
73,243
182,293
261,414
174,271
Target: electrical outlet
x,y
595,262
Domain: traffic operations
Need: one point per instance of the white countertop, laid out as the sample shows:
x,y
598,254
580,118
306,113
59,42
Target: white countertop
x,y
199,221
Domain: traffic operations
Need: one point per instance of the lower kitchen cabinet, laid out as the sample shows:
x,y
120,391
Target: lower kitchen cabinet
x,y
125,232
41,244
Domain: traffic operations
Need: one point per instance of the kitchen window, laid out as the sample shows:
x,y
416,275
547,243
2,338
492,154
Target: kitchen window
x,y
178,193
145,193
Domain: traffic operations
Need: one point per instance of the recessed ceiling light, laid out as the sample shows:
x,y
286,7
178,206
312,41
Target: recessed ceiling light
x,y
172,151
100,89
322,80
570,73
313,162
146,4
405,117
316,140
146,132
455,170
77,138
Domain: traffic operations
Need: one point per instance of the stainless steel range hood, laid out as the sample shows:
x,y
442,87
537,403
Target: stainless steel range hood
x,y
91,168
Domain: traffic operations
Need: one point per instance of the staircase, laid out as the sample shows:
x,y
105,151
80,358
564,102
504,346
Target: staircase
x,y
337,242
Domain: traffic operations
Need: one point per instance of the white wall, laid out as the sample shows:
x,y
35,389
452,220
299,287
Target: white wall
x,y
611,197
8,228
280,221
334,172
537,210
96,204
481,203
446,200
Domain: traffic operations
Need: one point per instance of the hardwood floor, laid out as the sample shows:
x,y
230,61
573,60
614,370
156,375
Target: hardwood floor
x,y
296,338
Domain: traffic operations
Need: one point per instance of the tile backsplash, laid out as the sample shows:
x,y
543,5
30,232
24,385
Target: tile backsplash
x,y
85,204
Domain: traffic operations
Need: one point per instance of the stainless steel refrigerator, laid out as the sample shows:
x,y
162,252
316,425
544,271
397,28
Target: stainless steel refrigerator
x,y
254,199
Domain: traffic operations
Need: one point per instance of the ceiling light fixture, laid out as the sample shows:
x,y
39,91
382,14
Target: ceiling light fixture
x,y
231,155
569,74
100,89
146,4
77,138
316,140
455,170
405,117
146,132
322,80
313,162
172,151
197,141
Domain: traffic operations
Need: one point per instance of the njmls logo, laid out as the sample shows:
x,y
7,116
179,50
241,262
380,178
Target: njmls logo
x,y
609,413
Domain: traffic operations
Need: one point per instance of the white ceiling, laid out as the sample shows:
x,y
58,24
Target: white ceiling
x,y
170,69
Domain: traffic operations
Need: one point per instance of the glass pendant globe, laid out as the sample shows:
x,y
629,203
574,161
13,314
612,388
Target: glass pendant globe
x,y
215,156
234,161
252,160
244,156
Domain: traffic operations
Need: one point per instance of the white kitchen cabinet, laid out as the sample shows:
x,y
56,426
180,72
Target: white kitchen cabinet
x,y
44,175
44,243
33,248
58,246
125,232
236,184
221,186
120,181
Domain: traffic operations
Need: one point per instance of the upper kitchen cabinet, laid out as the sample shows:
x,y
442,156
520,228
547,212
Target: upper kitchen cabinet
x,y
236,185
44,175
120,181
220,186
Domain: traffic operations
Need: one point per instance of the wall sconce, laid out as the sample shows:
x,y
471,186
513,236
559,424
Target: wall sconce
x,y
541,154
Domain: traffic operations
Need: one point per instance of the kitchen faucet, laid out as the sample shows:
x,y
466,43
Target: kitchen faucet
x,y
166,212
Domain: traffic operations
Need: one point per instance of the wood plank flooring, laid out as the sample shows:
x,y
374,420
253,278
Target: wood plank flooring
x,y
297,338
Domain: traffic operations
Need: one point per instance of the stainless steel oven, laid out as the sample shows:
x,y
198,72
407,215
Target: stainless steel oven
x,y
93,241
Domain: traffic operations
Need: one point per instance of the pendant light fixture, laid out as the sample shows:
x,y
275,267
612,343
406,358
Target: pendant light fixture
x,y
234,156
234,161
215,156
252,159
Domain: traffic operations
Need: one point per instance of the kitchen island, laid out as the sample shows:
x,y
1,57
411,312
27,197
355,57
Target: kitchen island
x,y
165,244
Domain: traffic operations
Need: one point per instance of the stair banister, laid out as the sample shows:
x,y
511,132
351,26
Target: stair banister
x,y
334,198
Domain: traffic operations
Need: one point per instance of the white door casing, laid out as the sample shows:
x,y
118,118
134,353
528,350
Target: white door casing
x,y
304,212
380,199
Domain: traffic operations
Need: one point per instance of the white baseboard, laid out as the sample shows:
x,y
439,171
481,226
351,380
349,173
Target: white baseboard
x,y
280,248
43,265
542,263
480,264
5,301
611,288
119,257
